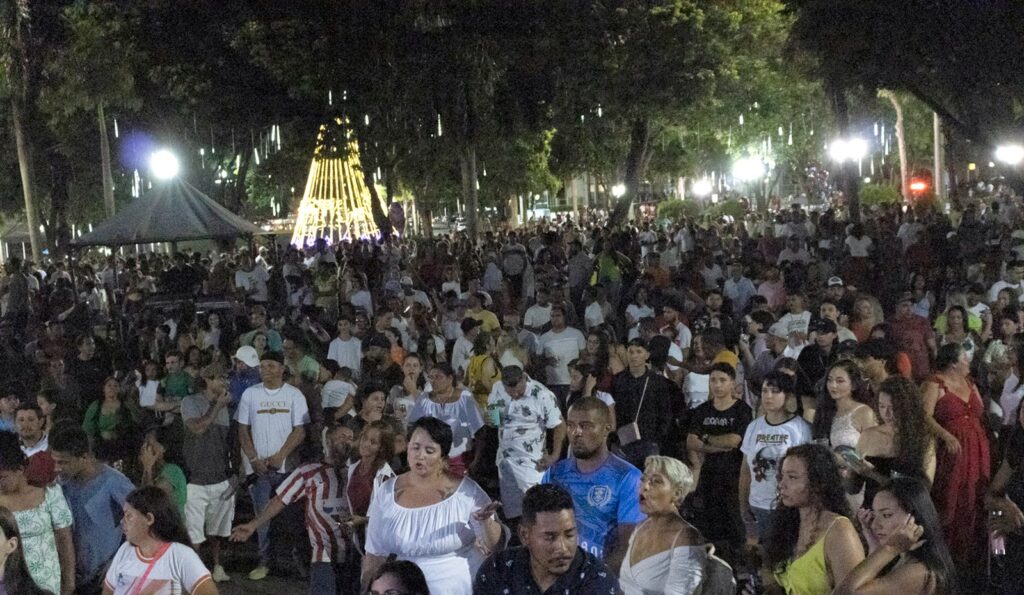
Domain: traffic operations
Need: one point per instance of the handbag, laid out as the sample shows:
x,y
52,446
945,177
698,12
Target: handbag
x,y
630,432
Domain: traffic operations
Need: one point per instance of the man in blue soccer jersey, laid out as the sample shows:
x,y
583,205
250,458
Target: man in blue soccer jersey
x,y
605,488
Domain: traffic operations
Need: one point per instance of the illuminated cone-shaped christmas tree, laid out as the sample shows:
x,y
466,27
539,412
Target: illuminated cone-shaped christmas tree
x,y
336,202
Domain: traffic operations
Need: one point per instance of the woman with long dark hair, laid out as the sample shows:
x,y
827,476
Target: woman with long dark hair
x,y
958,332
811,544
906,551
112,424
13,569
901,444
843,409
954,409
157,553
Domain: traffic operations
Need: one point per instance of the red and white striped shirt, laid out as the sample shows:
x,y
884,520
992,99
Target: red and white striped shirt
x,y
324,491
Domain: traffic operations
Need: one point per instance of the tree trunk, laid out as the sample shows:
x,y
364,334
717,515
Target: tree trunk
x,y
108,176
850,181
376,210
24,148
636,160
467,162
60,177
901,142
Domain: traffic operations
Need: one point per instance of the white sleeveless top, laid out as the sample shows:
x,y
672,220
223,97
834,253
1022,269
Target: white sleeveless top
x,y
843,433
678,570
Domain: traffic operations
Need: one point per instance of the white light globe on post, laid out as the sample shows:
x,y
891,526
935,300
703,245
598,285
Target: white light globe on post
x,y
702,187
618,190
163,164
853,149
748,169
1010,154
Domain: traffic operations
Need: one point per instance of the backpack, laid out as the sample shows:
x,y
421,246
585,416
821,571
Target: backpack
x,y
718,577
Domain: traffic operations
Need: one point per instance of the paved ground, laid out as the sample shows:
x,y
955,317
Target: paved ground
x,y
239,585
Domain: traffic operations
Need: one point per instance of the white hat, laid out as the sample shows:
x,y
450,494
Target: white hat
x,y
779,330
407,280
248,356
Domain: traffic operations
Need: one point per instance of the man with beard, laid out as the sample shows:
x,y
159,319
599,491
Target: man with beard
x,y
605,488
322,485
549,560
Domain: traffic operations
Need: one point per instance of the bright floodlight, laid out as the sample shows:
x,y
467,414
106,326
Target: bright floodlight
x,y
748,169
702,187
618,190
163,164
1010,154
853,149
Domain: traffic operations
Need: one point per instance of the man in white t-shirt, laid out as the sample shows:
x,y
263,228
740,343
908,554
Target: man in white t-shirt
x,y
538,315
671,316
272,418
559,346
251,280
346,349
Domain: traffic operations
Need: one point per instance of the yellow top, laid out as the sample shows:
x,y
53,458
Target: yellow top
x,y
807,575
477,383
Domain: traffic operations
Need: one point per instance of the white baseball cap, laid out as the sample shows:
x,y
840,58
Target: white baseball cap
x,y
248,356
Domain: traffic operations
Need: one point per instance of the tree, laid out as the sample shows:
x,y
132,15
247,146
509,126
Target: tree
x,y
93,73
647,63
20,66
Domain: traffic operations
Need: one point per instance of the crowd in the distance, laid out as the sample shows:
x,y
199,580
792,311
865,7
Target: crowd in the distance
x,y
789,403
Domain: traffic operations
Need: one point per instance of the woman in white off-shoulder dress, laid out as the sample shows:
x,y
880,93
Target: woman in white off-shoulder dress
x,y
445,525
666,554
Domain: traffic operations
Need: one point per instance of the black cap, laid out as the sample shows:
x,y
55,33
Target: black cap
x,y
376,340
469,324
823,326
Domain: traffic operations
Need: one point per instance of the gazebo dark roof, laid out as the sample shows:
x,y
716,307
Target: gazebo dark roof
x,y
172,211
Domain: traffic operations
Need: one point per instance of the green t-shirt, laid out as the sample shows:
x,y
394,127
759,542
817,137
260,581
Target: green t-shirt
x,y
177,385
179,487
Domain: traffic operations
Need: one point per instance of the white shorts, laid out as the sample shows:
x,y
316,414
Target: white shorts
x,y
205,512
513,481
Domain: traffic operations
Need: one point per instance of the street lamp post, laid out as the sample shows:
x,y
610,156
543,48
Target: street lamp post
x,y
845,152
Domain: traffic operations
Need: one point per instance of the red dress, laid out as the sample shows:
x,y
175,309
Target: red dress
x,y
961,479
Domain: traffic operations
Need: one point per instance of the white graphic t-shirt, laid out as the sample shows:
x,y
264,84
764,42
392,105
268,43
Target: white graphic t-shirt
x,y
179,570
763,447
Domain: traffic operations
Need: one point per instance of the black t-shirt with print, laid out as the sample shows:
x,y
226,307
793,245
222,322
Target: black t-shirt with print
x,y
721,469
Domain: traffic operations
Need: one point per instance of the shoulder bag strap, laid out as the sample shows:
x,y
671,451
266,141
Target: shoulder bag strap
x,y
141,582
636,418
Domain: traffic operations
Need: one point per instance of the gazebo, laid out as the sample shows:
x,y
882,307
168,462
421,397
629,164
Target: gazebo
x,y
173,211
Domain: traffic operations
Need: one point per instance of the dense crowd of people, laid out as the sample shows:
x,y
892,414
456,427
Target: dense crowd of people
x,y
788,403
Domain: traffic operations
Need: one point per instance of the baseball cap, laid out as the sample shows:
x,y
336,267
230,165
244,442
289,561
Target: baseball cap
x,y
823,326
469,324
779,330
376,340
407,280
835,282
248,356
906,296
